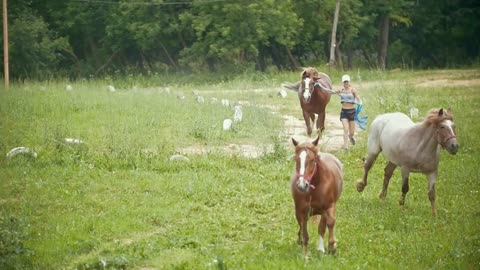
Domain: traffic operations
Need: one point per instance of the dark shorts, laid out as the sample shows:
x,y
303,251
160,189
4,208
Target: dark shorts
x,y
347,114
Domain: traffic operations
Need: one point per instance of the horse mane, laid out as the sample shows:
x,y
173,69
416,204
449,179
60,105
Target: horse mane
x,y
308,145
313,73
310,72
434,117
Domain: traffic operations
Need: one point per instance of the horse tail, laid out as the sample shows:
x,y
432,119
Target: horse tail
x,y
292,86
376,129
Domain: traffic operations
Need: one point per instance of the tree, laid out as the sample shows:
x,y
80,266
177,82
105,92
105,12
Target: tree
x,y
239,35
35,51
383,14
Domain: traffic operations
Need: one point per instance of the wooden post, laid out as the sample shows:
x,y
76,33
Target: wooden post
x,y
331,62
5,46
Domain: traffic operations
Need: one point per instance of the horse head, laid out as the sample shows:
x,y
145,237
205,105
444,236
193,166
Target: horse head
x,y
306,164
446,131
309,80
307,89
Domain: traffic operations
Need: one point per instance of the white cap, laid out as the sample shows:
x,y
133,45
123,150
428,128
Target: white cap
x,y
345,78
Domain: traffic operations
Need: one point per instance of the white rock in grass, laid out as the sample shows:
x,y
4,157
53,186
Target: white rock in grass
x,y
110,88
214,100
42,88
69,87
180,95
167,90
282,93
413,113
73,141
179,158
227,124
200,99
196,92
21,150
238,114
225,102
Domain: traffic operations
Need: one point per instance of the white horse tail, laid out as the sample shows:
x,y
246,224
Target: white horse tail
x,y
292,86
376,129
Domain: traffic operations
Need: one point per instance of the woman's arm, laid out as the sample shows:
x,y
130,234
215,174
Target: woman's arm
x,y
330,91
357,96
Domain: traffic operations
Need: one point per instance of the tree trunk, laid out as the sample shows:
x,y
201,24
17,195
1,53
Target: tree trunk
x,y
367,58
274,53
172,62
293,61
106,64
383,42
333,40
350,58
260,60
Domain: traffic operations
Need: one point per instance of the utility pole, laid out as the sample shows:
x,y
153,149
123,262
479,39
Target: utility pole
x,y
5,46
333,41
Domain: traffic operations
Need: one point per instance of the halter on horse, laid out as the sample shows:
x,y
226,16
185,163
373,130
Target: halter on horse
x,y
313,100
412,147
316,185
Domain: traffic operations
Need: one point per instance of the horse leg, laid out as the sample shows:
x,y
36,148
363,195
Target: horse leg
x,y
308,122
369,161
312,120
431,191
388,174
405,187
321,122
321,233
302,218
345,132
330,220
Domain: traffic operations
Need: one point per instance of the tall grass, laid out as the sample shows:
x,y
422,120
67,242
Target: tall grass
x,y
116,201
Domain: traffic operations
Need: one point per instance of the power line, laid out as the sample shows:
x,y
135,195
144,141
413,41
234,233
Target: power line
x,y
150,3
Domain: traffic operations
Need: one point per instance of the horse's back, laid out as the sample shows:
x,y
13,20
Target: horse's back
x,y
386,130
336,168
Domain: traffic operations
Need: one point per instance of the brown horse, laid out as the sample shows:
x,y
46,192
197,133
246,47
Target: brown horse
x,y
313,100
413,147
316,185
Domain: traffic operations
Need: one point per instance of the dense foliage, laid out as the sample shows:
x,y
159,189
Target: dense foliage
x,y
87,38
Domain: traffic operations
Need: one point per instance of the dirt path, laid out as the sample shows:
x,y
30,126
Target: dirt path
x,y
331,140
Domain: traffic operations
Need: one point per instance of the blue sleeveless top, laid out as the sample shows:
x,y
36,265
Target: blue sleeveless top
x,y
347,98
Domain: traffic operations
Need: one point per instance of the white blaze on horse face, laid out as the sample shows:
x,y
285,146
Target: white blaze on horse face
x,y
306,90
449,124
303,158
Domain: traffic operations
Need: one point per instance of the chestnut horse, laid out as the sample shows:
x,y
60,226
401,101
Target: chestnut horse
x,y
316,185
313,100
413,147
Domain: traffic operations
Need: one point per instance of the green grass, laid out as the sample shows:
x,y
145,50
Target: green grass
x,y
118,202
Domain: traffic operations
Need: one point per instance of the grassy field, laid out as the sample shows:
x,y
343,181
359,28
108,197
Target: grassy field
x,y
117,202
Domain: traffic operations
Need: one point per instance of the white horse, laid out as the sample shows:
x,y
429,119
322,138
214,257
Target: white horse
x,y
413,147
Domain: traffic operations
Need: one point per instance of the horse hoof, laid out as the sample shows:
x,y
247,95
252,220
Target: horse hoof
x,y
382,195
332,248
360,185
401,201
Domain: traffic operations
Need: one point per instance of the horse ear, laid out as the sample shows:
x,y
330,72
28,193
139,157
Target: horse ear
x,y
304,74
316,140
294,142
440,113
